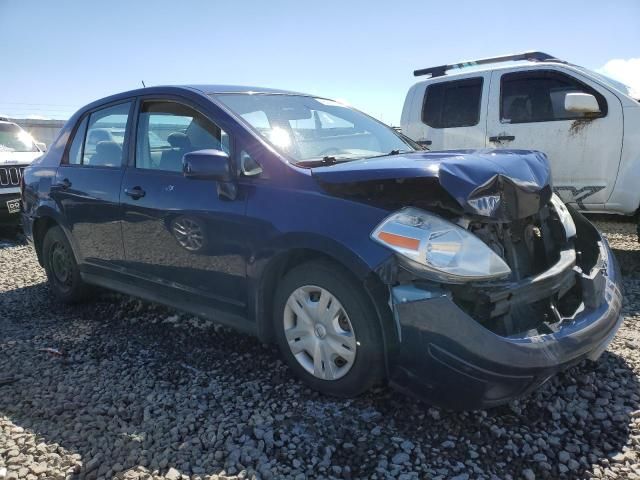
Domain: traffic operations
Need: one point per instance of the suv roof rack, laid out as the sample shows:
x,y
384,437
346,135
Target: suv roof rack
x,y
530,56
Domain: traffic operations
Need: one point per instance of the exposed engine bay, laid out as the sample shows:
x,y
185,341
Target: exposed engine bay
x,y
529,246
553,278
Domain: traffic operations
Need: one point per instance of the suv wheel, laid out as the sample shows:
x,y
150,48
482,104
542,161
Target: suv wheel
x,y
61,267
327,330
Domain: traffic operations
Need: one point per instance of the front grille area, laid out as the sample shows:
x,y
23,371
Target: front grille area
x,y
10,176
530,246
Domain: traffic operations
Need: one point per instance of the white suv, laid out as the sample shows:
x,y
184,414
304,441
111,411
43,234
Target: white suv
x,y
587,124
17,150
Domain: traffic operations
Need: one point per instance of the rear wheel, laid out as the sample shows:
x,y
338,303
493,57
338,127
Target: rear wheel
x,y
61,267
327,330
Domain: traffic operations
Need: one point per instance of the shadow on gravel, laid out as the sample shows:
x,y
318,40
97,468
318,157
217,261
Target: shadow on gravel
x,y
140,386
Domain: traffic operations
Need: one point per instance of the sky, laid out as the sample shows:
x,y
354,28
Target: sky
x,y
58,55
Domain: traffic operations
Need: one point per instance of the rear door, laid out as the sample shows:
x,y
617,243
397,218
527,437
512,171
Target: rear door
x,y
179,232
87,184
526,111
450,113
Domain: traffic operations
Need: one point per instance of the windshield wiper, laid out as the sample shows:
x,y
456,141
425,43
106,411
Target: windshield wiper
x,y
391,153
327,160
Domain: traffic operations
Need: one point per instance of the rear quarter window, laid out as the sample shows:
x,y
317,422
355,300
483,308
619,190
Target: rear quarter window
x,y
74,157
453,104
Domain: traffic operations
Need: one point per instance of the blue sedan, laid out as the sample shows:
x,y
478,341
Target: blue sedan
x,y
456,276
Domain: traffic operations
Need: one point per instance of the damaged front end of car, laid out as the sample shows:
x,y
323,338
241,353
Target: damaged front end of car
x,y
495,285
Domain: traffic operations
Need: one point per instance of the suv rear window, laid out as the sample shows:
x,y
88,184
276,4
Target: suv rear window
x,y
453,104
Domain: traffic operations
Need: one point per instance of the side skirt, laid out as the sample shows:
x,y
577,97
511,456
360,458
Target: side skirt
x,y
171,298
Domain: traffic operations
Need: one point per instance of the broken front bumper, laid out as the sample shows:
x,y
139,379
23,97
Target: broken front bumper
x,y
449,359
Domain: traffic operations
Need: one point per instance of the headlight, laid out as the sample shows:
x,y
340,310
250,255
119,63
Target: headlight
x,y
446,251
564,215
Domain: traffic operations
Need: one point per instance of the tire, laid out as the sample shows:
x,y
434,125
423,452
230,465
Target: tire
x,y
61,267
354,332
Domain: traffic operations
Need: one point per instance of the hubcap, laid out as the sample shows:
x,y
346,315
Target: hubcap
x,y
319,333
61,266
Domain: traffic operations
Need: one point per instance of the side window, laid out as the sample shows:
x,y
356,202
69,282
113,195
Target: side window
x,y
105,136
167,130
453,104
539,97
75,150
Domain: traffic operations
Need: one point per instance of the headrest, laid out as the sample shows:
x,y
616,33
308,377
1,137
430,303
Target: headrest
x,y
179,140
108,148
100,134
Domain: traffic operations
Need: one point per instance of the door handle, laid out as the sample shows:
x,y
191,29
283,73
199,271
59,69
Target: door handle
x,y
135,192
64,184
424,143
502,138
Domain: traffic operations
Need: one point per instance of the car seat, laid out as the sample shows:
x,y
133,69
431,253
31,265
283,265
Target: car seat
x,y
171,160
108,154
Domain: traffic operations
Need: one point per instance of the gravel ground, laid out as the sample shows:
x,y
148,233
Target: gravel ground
x,y
143,392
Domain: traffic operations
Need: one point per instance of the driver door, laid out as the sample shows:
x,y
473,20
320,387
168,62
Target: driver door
x,y
526,111
177,231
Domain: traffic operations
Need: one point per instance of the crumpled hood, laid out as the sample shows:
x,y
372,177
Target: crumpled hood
x,y
502,185
17,158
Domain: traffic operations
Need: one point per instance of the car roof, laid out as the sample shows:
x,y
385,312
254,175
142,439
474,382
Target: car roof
x,y
205,89
219,89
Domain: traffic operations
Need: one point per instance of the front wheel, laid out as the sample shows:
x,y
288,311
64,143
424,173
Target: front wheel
x,y
61,267
327,330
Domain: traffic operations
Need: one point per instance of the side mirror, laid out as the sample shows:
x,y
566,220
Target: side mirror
x,y
207,165
581,103
41,145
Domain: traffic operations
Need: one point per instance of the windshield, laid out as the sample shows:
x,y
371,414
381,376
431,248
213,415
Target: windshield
x,y
15,139
308,128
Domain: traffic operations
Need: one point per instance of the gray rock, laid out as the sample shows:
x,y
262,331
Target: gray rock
x,y
400,458
407,446
93,464
173,474
573,465
462,476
